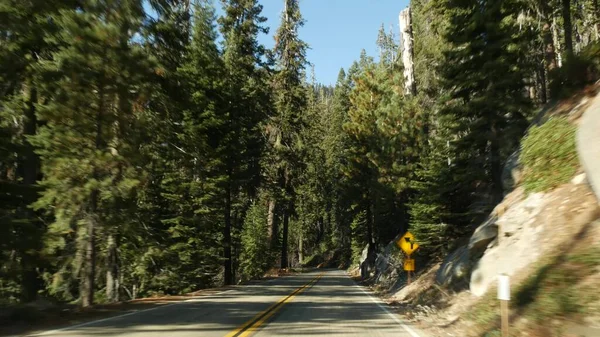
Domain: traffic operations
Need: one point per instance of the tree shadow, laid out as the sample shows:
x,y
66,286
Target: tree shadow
x,y
333,301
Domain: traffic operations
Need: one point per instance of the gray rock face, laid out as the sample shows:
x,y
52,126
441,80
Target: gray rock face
x,y
518,243
512,172
366,261
455,269
524,214
482,236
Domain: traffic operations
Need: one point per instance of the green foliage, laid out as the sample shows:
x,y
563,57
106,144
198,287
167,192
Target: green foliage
x,y
134,148
255,257
578,71
359,241
553,291
549,155
484,75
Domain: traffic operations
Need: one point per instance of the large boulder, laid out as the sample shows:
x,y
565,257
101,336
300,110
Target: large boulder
x,y
454,271
482,236
517,246
524,214
388,262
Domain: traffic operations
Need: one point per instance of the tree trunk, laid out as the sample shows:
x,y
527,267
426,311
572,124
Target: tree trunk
x,y
543,85
227,271
549,49
88,270
112,271
369,221
549,52
86,282
496,167
556,40
272,223
236,223
300,249
31,159
405,18
30,283
596,18
284,241
568,27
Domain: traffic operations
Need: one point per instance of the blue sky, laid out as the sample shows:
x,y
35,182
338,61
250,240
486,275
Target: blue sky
x,y
337,30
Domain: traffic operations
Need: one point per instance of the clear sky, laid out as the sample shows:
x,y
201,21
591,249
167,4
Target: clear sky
x,y
337,30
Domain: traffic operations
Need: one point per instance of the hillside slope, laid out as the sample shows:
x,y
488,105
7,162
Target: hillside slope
x,y
545,234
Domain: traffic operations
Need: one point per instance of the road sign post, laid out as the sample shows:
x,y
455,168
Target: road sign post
x,y
409,267
504,297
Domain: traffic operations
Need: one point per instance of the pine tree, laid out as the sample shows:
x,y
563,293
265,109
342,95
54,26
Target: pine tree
x,y
255,259
485,73
245,91
24,28
84,147
335,144
286,125
362,131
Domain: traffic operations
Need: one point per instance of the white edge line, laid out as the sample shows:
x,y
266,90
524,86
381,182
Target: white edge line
x,y
392,315
51,332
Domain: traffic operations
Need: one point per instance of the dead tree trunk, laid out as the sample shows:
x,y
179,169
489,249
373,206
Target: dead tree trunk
x,y
556,39
410,87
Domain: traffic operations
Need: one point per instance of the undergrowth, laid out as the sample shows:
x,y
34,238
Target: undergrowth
x,y
549,155
553,292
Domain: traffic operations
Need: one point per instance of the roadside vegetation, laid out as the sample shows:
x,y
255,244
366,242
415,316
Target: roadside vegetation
x,y
553,296
153,148
549,155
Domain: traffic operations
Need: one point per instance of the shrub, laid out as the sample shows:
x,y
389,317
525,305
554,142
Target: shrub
x,y
576,72
549,155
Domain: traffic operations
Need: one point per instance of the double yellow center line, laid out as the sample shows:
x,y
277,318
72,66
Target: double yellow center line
x,y
254,324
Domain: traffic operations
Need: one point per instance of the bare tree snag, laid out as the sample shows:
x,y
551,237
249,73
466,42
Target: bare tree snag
x,y
410,87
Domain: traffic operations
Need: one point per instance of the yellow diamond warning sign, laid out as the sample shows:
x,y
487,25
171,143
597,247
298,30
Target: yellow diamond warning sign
x,y
407,243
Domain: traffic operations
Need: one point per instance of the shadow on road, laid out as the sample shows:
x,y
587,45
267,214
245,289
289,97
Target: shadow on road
x,y
332,305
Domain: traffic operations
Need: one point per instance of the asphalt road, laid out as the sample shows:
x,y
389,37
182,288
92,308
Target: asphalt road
x,y
320,303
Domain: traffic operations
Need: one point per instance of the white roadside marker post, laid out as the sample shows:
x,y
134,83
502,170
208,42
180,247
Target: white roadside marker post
x,y
504,297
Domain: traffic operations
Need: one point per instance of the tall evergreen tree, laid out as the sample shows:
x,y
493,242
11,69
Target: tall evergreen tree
x,y
248,102
84,144
485,73
286,124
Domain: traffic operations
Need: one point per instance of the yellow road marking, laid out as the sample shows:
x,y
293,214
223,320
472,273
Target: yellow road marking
x,y
252,325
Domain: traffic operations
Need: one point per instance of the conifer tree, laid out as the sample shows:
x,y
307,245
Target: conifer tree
x,y
245,90
84,144
286,124
485,73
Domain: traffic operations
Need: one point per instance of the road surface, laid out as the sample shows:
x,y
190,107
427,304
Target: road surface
x,y
321,303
